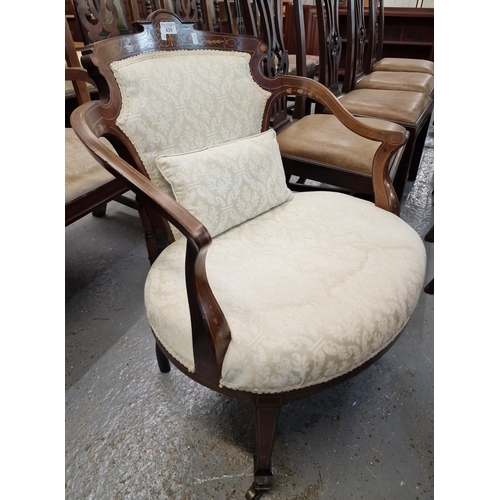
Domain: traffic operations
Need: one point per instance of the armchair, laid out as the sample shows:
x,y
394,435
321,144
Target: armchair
x,y
265,295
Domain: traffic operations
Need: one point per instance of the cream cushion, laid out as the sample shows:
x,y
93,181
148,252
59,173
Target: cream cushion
x,y
228,184
311,289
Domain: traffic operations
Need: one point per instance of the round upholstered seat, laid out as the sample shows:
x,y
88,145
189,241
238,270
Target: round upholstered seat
x,y
311,289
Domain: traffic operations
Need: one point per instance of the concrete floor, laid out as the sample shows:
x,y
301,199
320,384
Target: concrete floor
x,y
134,433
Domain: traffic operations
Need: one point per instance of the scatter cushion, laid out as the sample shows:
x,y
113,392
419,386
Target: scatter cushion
x,y
311,289
228,184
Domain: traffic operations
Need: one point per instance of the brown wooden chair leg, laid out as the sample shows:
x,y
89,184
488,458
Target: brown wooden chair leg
x,y
429,288
267,410
163,363
100,211
430,235
417,154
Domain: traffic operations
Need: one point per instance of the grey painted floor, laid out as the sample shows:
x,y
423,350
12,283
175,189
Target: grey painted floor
x,y
134,433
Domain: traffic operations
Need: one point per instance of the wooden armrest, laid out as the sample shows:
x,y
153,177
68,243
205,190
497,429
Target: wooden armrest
x,y
78,74
211,334
183,220
391,141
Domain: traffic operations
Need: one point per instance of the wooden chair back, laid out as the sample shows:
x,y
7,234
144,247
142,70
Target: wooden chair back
x,y
356,42
100,19
192,11
330,44
375,34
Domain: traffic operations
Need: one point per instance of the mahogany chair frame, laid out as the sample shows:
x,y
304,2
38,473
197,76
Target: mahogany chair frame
x,y
375,35
210,331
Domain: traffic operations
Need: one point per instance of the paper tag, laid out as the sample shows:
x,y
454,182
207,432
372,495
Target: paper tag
x,y
167,28
194,37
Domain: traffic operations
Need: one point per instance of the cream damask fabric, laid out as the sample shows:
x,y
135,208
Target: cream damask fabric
x,y
223,186
311,289
179,101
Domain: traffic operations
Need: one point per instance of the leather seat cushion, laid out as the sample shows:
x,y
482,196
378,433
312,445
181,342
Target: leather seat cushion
x,y
310,136
392,105
311,289
404,64
397,80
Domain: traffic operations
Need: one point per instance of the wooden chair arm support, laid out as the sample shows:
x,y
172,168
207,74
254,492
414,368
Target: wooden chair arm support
x,y
78,74
391,141
211,334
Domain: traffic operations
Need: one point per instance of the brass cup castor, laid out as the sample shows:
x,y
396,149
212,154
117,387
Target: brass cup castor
x,y
252,493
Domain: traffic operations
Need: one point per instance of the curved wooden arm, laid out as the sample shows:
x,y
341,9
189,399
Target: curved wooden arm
x,y
79,74
391,141
211,334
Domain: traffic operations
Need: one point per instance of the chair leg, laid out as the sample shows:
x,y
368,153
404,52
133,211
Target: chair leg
x,y
429,288
267,410
163,363
404,166
417,154
430,235
99,211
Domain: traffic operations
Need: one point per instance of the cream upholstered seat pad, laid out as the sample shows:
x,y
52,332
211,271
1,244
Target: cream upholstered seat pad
x,y
311,289
323,138
397,105
404,64
185,100
397,80
82,172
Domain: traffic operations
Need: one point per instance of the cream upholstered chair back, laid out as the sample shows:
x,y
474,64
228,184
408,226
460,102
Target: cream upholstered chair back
x,y
179,101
